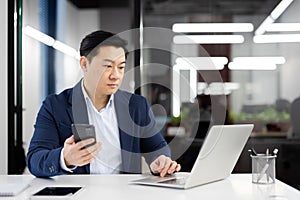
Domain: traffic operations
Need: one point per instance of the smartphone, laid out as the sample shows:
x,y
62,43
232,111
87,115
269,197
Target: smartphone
x,y
56,192
83,131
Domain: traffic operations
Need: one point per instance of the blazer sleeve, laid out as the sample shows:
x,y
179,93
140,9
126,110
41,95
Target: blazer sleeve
x,y
45,147
152,142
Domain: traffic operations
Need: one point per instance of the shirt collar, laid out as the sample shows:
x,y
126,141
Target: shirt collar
x,y
87,98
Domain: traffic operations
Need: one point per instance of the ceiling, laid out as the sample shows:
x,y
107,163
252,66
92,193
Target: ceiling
x,y
162,7
220,7
100,3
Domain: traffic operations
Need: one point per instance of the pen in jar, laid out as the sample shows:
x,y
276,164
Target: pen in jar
x,y
252,152
275,151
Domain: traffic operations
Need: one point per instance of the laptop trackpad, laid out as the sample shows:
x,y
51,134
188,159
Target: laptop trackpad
x,y
176,181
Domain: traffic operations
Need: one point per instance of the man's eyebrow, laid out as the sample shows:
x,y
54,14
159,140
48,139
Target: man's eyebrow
x,y
112,61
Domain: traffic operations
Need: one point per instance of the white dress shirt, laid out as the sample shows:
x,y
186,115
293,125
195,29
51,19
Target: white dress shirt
x,y
108,160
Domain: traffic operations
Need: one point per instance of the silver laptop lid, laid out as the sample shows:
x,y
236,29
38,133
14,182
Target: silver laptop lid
x,y
219,153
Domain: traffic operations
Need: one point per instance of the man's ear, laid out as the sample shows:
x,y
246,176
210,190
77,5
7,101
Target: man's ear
x,y
82,62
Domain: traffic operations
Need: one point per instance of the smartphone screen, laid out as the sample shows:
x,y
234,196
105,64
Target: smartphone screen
x,y
57,191
83,131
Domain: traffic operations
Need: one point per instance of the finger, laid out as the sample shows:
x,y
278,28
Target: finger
x,y
70,140
85,161
178,168
155,165
172,167
161,163
84,143
94,149
163,172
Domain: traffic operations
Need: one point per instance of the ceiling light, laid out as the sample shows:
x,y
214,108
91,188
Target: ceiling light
x,y
208,39
65,48
212,27
260,60
35,34
262,28
276,38
248,66
176,79
280,8
216,88
46,39
280,27
203,63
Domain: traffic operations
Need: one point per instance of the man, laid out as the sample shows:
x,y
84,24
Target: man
x,y
124,124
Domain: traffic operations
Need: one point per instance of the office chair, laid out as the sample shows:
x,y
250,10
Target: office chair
x,y
295,117
282,105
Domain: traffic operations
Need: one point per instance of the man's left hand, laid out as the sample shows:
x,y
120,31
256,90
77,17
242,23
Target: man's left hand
x,y
164,165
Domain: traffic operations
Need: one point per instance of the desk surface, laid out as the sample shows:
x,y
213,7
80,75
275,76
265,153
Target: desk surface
x,y
237,186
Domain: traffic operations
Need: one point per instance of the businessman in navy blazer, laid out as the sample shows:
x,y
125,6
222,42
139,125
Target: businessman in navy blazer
x,y
124,123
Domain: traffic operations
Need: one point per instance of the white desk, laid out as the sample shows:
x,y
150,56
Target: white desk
x,y
237,186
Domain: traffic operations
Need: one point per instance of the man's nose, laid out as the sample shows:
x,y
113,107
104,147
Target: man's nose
x,y
115,73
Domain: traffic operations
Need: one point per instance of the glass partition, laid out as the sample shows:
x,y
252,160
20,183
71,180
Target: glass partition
x,y
201,63
251,47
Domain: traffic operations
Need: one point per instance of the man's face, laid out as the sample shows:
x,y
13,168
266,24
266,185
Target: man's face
x,y
104,74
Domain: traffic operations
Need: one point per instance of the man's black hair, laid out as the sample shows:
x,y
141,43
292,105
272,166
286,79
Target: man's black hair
x,y
92,42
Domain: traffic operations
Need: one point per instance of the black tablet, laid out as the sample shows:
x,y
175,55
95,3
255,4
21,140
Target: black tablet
x,y
57,191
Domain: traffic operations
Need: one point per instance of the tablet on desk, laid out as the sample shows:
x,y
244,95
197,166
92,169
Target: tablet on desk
x,y
57,192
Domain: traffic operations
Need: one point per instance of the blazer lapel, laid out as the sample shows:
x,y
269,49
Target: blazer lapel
x,y
121,102
78,110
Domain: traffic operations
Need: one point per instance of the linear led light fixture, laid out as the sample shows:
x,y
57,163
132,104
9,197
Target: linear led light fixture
x,y
46,39
66,49
203,63
260,60
212,27
208,39
262,28
249,66
278,10
176,77
39,36
217,88
282,27
256,63
276,38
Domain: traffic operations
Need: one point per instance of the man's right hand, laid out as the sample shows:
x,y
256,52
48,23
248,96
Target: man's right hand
x,y
76,155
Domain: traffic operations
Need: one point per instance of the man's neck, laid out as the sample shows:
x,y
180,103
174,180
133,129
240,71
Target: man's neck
x,y
99,101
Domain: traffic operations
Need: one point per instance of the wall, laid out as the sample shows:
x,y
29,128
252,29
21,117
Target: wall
x,y
72,26
31,71
115,20
3,87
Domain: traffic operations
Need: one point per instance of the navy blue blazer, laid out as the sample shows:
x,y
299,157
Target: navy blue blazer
x,y
137,132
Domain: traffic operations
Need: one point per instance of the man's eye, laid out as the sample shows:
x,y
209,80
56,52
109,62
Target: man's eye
x,y
108,66
121,67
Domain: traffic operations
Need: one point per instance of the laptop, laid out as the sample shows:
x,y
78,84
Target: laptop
x,y
216,159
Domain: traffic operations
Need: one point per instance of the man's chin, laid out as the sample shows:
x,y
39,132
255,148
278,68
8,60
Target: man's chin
x,y
112,92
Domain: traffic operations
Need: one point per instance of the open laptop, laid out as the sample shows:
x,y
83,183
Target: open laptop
x,y
216,160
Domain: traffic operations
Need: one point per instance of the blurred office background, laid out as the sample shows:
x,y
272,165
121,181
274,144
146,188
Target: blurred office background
x,y
254,77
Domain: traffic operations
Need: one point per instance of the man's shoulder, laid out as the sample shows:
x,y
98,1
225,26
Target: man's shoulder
x,y
60,97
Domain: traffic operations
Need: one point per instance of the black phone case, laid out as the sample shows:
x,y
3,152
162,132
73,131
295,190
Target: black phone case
x,y
83,131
